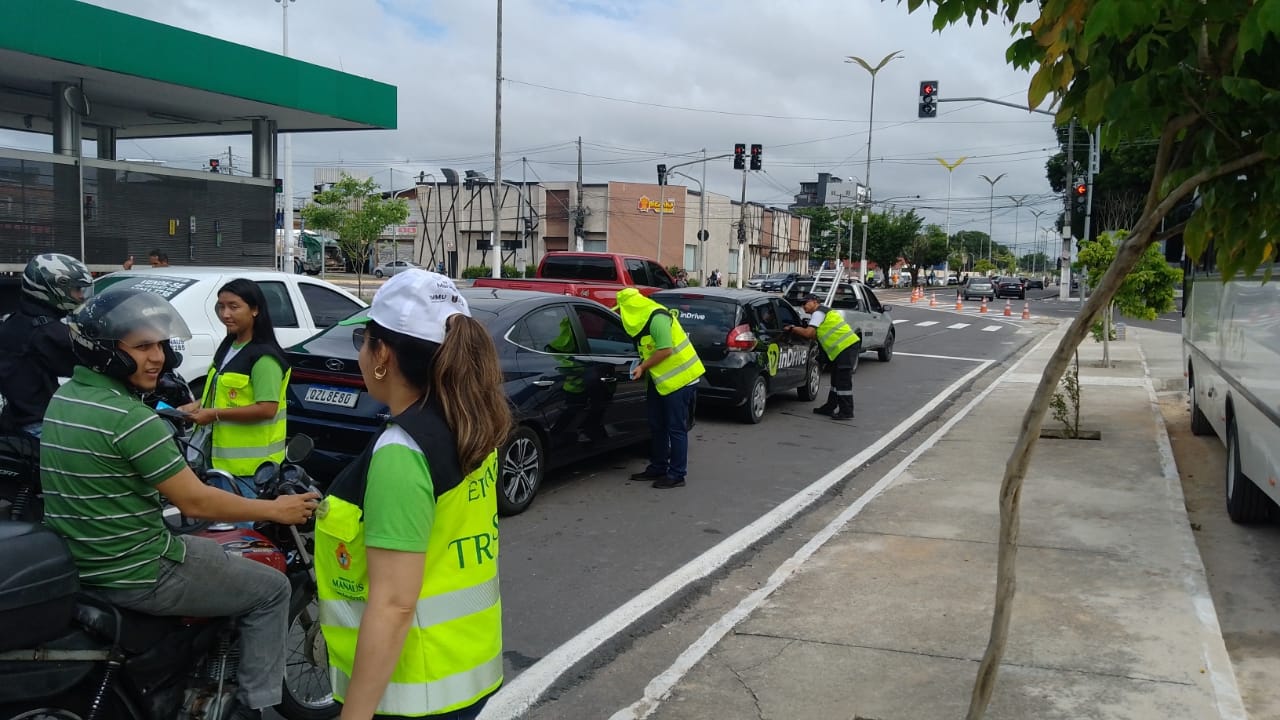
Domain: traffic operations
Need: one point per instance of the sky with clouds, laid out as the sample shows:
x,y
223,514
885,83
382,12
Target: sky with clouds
x,y
649,81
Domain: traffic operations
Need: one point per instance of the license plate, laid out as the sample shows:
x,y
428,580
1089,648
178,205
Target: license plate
x,y
332,396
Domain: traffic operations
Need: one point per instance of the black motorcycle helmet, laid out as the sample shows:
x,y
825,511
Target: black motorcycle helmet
x,y
101,322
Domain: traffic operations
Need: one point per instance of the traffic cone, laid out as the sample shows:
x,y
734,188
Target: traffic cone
x,y
1008,308
914,297
1026,311
959,304
983,307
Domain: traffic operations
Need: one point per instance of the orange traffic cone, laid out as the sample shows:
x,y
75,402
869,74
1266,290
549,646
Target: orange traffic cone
x,y
1008,308
933,300
914,296
959,305
983,307
1026,311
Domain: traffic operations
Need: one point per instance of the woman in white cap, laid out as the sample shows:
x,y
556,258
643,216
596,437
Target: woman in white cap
x,y
407,539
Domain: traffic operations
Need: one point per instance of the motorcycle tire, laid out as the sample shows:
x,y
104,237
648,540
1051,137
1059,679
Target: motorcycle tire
x,y
307,691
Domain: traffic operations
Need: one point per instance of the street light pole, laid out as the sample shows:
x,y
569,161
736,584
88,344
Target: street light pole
x,y
1035,229
287,181
496,245
871,114
991,205
946,262
1018,202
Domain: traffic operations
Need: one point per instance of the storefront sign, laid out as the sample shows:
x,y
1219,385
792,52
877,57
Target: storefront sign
x,y
400,230
647,205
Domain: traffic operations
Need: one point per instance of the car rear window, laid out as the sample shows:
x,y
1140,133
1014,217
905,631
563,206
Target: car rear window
x,y
577,267
164,286
704,319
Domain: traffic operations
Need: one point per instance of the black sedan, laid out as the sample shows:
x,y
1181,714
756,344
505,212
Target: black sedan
x,y
777,282
1011,287
1035,283
565,361
978,288
739,338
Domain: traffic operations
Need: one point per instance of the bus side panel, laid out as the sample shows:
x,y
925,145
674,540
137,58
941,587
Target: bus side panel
x,y
1259,447
1251,356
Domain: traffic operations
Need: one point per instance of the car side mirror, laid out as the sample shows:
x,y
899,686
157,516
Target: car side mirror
x,y
886,308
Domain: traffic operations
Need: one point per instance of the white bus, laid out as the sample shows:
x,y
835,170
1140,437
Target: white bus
x,y
1231,350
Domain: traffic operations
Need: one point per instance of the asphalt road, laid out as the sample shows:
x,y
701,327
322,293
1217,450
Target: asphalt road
x,y
593,540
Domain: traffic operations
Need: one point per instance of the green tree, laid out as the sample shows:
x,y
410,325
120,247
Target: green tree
x,y
357,212
1196,79
984,266
927,249
1119,187
971,246
1146,291
889,235
825,232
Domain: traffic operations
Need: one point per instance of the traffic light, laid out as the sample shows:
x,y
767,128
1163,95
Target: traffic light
x,y
279,186
1080,191
213,165
756,150
662,174
739,156
928,98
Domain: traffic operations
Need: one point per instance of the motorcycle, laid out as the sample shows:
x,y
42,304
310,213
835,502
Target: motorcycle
x,y
68,655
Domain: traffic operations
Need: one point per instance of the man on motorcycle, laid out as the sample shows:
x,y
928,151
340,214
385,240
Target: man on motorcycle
x,y
35,349
106,460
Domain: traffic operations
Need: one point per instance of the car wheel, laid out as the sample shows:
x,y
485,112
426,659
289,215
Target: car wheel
x,y
752,410
377,273
1246,503
812,377
520,467
1200,424
885,353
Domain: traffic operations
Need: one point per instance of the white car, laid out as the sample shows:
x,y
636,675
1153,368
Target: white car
x,y
393,268
300,306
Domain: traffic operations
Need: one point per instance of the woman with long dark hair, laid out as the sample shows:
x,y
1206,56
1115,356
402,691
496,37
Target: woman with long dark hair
x,y
244,392
407,539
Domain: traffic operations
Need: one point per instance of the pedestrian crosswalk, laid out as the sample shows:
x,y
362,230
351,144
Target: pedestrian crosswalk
x,y
956,326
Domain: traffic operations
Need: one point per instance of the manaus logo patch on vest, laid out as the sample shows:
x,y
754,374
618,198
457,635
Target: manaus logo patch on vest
x,y
344,557
774,354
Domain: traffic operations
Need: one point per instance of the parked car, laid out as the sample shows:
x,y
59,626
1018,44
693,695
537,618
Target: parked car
x,y
754,282
1010,287
1035,283
748,356
566,363
394,267
299,306
777,282
861,309
595,275
978,288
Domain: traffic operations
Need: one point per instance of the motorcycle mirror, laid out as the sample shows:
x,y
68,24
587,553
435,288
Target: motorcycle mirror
x,y
299,448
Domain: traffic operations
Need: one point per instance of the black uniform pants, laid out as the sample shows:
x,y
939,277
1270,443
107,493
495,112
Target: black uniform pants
x,y
840,397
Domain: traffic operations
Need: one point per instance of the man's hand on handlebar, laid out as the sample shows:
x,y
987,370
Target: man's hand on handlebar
x,y
295,509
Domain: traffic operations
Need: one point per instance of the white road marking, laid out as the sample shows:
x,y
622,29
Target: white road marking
x,y
517,696
958,326
660,687
991,328
938,357
895,322
926,323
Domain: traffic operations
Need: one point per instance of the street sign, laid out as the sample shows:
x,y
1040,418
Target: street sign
x,y
703,235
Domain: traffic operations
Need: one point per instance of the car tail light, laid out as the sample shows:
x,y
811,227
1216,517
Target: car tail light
x,y
741,338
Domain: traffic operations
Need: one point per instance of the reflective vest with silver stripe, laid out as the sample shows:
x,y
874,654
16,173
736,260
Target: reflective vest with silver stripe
x,y
452,654
682,366
240,447
834,334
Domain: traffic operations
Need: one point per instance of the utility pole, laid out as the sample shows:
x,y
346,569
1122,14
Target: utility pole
x,y
742,232
580,214
496,245
1067,252
702,218
662,210
287,186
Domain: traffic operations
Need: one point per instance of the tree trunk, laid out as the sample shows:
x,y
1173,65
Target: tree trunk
x,y
1127,257
1106,336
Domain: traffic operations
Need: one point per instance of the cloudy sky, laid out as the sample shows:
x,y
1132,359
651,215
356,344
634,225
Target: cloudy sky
x,y
649,81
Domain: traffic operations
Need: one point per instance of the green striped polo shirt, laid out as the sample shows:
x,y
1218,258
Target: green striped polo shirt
x,y
102,452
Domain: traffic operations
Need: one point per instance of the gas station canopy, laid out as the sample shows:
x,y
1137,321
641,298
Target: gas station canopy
x,y
148,80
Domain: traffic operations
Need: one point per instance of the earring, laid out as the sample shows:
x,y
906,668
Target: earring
x,y
379,372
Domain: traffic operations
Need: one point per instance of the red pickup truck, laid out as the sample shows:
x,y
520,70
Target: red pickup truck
x,y
595,275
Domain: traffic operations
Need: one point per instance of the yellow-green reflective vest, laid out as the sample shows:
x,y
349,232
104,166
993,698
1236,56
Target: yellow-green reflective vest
x,y
240,447
452,655
834,334
565,344
682,366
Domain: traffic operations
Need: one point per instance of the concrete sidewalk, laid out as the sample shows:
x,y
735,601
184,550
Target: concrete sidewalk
x,y
888,619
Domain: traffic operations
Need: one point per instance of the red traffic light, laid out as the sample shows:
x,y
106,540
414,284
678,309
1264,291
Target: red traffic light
x,y
1082,189
928,88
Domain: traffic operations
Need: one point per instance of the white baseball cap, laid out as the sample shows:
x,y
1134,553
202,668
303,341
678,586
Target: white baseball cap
x,y
417,303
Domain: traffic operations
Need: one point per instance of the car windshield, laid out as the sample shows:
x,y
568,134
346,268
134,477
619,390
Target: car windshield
x,y
979,283
165,286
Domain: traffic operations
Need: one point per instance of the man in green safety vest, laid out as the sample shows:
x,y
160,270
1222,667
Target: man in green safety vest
x,y
840,343
669,359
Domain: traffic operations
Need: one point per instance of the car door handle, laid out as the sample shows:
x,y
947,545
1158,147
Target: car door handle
x,y
609,379
543,383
